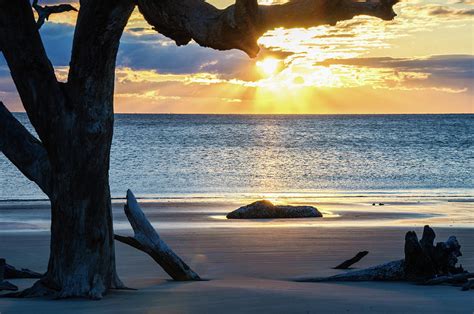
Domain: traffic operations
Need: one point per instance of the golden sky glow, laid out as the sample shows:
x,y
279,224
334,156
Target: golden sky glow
x,y
420,62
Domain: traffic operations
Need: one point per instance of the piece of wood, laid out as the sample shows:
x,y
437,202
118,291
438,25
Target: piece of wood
x,y
468,285
392,271
146,239
348,263
2,269
458,278
5,285
423,263
13,273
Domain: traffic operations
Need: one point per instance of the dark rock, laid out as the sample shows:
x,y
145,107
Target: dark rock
x,y
265,209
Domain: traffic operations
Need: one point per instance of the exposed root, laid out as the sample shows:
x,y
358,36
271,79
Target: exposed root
x,y
39,289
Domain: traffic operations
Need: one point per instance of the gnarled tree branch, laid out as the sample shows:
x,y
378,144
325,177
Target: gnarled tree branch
x,y
30,67
240,25
45,11
24,150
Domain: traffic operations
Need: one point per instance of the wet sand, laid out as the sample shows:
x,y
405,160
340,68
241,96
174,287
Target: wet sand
x,y
250,265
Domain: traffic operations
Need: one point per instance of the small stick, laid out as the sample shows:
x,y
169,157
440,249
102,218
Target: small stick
x,y
350,262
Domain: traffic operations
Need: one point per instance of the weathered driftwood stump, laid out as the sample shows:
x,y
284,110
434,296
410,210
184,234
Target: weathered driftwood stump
x,y
146,239
5,285
424,263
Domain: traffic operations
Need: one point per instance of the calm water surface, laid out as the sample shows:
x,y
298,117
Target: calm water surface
x,y
163,155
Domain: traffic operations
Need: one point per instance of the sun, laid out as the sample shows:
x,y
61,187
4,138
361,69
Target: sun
x,y
268,66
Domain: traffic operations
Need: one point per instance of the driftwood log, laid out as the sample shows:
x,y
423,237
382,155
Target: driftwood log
x,y
146,239
352,261
424,263
13,273
468,285
5,285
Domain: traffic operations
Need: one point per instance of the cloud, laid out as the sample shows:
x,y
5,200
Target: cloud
x,y
447,11
451,73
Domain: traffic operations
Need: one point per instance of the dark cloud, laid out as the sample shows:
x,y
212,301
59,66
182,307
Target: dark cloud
x,y
450,71
155,52
448,11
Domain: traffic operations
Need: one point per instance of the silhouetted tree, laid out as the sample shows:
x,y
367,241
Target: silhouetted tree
x,y
74,120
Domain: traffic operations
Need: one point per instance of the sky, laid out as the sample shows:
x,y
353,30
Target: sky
x,y
421,62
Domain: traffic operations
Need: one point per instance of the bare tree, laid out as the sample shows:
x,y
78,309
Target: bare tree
x,y
74,120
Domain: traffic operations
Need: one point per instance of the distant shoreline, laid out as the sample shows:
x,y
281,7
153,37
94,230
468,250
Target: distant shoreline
x,y
286,114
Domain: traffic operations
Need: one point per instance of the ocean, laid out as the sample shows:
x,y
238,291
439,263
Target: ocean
x,y
217,155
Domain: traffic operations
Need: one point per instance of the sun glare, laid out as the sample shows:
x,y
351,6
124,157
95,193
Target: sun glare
x,y
268,66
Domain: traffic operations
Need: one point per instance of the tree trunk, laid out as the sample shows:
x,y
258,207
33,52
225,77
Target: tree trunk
x,y
82,249
82,258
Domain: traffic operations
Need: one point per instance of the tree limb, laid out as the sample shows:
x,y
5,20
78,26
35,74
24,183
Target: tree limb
x,y
45,11
24,150
240,25
30,67
147,240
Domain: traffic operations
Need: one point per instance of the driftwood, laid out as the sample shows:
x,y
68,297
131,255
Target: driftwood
x,y
146,239
13,273
458,278
5,285
424,263
352,261
468,285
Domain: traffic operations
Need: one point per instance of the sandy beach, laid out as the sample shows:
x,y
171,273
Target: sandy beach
x,y
249,265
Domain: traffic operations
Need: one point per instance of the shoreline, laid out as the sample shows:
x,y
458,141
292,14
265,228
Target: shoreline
x,y
209,213
249,265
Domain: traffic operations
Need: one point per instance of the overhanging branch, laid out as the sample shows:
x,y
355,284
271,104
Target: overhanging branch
x,y
24,150
30,67
240,25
